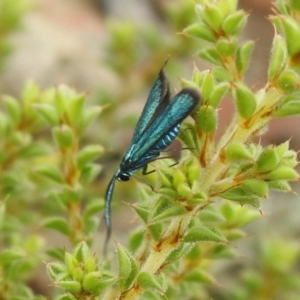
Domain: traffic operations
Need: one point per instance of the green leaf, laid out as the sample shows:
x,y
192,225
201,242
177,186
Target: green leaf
x,y
211,55
64,136
71,286
51,172
95,282
13,107
200,30
48,112
288,109
236,151
283,173
245,101
198,275
207,86
89,153
148,281
226,47
217,94
234,23
93,207
243,56
256,186
127,267
173,211
203,233
278,57
292,33
57,223
213,16
243,197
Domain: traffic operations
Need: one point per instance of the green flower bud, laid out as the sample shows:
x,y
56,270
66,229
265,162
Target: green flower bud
x,y
211,55
188,83
212,16
234,23
207,119
237,151
288,81
292,33
226,47
278,57
207,86
199,30
256,186
183,189
64,136
71,263
243,56
228,6
71,286
82,252
178,178
217,94
193,173
245,101
267,160
283,173
198,76
282,148
92,282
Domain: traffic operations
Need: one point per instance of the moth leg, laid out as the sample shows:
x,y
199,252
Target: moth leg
x,y
145,172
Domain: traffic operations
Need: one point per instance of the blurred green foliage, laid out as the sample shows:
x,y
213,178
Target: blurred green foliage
x,y
11,12
189,227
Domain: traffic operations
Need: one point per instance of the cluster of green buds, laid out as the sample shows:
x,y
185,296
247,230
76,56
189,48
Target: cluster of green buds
x,y
71,168
221,23
79,275
254,170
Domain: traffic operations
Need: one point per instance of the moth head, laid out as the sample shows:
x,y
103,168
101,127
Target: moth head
x,y
123,176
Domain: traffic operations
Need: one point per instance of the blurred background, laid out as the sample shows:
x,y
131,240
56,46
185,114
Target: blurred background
x,y
113,49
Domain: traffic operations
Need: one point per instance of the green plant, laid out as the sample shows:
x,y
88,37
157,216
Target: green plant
x,y
200,206
11,12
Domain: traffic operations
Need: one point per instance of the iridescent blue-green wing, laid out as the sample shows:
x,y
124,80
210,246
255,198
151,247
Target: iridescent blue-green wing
x,y
178,109
158,99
